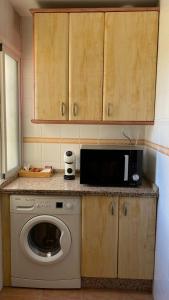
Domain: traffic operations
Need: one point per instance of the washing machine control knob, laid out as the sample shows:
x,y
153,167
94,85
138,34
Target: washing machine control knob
x,y
69,205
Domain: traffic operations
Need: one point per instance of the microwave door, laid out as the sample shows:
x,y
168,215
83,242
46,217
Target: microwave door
x,y
126,167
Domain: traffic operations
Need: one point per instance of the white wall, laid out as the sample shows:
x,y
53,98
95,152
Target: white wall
x,y
157,164
10,26
40,154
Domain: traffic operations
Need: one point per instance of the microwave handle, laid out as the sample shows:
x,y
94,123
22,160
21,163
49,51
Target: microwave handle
x,y
126,167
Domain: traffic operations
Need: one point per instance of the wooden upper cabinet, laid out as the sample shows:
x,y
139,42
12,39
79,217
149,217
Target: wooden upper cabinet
x,y
130,53
95,66
51,65
137,222
99,236
86,38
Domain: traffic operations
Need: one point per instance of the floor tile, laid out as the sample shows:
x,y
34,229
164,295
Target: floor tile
x,y
62,295
118,295
20,294
75,294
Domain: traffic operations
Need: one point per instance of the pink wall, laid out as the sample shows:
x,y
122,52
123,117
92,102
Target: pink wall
x,y
10,26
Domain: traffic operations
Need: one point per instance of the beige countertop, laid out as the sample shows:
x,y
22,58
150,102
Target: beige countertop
x,y
56,185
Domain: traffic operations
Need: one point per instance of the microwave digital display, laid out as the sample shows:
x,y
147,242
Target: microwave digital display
x,y
111,166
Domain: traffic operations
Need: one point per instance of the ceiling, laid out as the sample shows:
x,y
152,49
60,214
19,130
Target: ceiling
x,y
22,7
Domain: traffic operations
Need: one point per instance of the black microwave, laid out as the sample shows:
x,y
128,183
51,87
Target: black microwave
x,y
111,165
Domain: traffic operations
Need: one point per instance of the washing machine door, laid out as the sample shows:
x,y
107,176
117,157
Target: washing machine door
x,y
45,239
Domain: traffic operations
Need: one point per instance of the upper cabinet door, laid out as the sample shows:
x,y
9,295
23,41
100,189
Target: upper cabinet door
x,y
86,40
51,65
130,66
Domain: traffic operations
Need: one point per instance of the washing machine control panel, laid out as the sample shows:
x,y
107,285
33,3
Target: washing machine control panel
x,y
69,205
45,205
58,205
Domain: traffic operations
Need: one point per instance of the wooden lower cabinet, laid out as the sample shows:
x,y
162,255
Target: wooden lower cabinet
x,y
118,237
99,236
137,221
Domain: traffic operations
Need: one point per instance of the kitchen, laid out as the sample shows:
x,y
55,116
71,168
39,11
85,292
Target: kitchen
x,y
45,144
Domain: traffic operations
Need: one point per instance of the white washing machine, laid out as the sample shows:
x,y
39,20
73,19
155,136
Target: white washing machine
x,y
45,241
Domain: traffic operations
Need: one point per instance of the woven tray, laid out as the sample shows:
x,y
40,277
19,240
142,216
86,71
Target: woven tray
x,y
23,173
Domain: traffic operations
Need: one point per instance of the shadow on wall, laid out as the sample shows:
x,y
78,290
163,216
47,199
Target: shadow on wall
x,y
149,164
161,274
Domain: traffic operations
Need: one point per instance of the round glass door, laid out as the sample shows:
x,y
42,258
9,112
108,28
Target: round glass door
x,y
45,239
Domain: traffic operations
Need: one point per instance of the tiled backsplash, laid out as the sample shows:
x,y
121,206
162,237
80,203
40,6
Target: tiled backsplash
x,y
51,152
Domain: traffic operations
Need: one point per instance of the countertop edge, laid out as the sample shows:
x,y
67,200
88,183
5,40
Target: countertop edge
x,y
81,193
56,185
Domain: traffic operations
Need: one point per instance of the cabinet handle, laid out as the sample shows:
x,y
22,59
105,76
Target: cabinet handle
x,y
75,109
112,210
108,109
63,109
125,210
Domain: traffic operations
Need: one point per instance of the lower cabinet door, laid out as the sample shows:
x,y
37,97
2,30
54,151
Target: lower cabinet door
x,y
137,220
99,236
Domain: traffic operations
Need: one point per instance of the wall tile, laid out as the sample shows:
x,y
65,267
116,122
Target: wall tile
x,y
30,129
89,131
153,133
116,131
27,108
33,154
53,130
159,132
69,131
51,155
